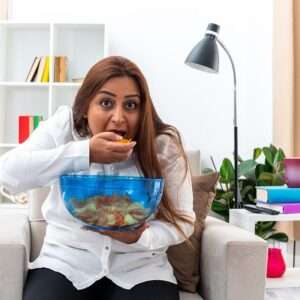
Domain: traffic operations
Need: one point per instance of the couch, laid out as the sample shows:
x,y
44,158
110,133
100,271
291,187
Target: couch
x,y
233,261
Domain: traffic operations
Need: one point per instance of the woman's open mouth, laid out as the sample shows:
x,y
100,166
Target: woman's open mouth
x,y
120,132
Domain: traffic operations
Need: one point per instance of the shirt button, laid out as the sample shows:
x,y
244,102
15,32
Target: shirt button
x,y
153,254
106,248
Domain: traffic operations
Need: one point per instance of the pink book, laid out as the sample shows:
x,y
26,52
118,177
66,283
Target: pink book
x,y
284,208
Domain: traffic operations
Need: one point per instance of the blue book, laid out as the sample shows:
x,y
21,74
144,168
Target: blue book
x,y
277,194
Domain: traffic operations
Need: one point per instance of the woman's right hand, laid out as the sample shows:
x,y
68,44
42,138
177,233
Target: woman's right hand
x,y
105,148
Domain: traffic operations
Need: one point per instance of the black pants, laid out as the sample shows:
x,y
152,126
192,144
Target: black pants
x,y
45,284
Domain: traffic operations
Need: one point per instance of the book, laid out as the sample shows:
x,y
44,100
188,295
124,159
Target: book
x,y
283,208
277,194
63,68
40,71
36,121
56,68
33,69
45,75
60,68
26,126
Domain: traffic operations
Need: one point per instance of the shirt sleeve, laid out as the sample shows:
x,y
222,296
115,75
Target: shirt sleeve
x,y
161,234
48,153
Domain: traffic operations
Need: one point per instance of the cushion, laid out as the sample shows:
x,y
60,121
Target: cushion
x,y
185,258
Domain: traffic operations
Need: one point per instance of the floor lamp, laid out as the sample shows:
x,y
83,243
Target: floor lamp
x,y
205,57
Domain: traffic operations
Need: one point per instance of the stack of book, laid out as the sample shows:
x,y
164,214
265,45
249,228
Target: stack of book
x,y
39,70
284,199
26,126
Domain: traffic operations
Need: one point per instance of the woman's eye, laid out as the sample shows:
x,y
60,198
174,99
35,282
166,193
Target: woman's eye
x,y
106,103
131,105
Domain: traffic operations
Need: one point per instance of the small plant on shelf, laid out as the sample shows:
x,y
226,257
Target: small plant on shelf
x,y
264,168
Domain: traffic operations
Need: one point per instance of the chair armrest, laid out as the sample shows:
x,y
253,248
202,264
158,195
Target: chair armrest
x,y
233,263
14,255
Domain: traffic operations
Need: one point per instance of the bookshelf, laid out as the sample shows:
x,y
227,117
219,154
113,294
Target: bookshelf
x,y
20,42
247,220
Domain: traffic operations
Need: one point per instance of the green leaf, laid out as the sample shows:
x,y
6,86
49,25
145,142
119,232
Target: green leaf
x,y
279,236
268,155
220,209
278,179
279,156
279,167
256,153
228,196
266,177
247,168
260,168
251,198
227,171
265,226
282,153
247,189
273,150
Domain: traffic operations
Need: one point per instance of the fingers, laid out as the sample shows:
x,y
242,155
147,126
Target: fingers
x,y
105,148
121,148
112,142
110,136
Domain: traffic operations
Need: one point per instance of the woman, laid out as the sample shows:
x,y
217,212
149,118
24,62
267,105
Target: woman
x,y
113,102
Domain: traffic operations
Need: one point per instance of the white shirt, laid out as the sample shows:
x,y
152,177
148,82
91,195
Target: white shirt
x,y
54,149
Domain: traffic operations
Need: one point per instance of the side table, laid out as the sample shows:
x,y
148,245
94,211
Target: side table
x,y
247,220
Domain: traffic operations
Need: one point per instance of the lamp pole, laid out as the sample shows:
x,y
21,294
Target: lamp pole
x,y
237,195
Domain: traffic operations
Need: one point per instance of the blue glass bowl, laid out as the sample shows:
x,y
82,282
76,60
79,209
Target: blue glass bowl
x,y
111,202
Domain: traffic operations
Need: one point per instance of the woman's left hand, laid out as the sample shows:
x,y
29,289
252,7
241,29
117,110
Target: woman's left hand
x,y
127,237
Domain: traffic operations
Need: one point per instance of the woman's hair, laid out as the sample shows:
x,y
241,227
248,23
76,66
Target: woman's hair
x,y
150,125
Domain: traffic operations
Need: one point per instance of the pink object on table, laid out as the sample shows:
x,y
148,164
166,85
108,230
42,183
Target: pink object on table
x,y
276,264
292,171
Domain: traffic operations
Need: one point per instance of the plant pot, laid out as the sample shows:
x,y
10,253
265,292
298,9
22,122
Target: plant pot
x,y
275,264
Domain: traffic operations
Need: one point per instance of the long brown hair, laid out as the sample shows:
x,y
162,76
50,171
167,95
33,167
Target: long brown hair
x,y
150,125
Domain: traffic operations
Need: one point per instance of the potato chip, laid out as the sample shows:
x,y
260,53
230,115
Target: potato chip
x,y
124,141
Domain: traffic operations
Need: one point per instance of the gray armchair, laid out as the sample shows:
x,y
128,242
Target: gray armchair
x,y
233,261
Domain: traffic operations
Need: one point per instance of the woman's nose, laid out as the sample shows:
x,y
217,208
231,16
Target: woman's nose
x,y
118,115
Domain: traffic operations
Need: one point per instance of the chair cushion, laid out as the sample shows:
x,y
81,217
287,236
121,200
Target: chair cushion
x,y
184,258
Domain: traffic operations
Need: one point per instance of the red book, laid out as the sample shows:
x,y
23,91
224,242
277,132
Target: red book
x,y
24,128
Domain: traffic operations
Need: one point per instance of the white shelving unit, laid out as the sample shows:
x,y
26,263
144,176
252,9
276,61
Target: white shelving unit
x,y
247,220
83,44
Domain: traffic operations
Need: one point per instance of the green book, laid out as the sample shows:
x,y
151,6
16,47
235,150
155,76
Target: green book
x,y
36,121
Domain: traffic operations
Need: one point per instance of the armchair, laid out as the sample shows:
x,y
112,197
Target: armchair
x,y
233,261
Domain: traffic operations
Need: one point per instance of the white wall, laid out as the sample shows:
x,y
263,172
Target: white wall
x,y
158,36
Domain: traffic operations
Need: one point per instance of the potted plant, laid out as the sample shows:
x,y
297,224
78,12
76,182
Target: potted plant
x,y
264,168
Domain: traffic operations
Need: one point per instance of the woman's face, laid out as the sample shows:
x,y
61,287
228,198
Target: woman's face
x,y
116,107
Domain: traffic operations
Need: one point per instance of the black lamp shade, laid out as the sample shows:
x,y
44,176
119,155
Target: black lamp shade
x,y
205,55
